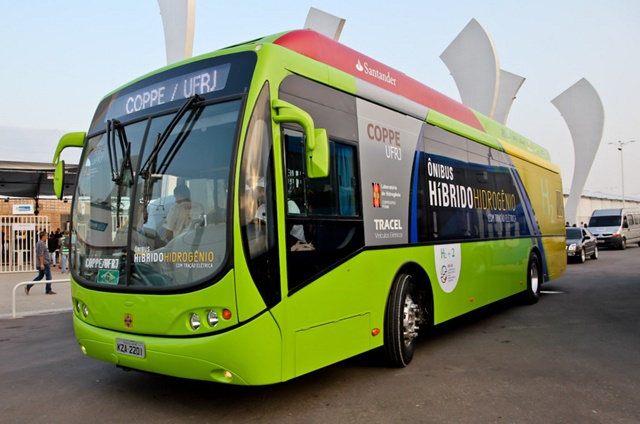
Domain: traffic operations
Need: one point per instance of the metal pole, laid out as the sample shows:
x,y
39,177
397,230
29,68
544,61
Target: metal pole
x,y
620,145
622,170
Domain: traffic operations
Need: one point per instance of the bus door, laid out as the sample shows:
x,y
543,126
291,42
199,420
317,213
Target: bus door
x,y
323,229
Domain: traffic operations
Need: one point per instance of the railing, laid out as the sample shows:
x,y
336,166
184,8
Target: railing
x,y
24,283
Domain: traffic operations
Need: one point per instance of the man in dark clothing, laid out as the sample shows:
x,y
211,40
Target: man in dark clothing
x,y
43,260
52,246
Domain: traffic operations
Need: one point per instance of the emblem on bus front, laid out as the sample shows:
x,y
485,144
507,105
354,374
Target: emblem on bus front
x,y
128,320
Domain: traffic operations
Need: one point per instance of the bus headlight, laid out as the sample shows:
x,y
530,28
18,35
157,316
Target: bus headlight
x,y
195,321
212,318
85,311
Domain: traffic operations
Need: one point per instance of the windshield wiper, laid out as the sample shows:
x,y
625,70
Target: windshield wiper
x,y
124,179
148,169
111,147
120,173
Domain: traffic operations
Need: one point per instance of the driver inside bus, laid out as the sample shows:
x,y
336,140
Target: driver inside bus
x,y
182,213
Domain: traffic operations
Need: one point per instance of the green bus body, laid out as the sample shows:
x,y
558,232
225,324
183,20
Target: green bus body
x,y
396,229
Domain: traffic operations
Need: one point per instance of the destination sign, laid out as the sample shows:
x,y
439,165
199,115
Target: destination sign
x,y
182,87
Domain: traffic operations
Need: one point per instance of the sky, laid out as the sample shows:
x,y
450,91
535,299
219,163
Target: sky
x,y
59,58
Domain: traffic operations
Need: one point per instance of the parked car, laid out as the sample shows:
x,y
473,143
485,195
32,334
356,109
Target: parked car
x,y
580,244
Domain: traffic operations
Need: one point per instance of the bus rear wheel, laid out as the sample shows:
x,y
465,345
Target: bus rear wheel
x,y
402,317
534,273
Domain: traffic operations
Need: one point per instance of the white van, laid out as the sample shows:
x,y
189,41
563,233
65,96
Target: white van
x,y
616,227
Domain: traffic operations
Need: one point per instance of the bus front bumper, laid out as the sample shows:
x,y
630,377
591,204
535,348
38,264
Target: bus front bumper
x,y
247,355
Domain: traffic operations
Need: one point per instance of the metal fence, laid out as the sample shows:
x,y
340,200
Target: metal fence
x,y
19,238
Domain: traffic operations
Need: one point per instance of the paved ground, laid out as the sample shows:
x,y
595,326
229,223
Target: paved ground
x,y
37,302
572,358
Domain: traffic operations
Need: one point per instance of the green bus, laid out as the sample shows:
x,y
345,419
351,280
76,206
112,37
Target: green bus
x,y
274,207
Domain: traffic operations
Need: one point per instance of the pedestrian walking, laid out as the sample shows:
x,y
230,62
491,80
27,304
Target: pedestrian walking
x,y
64,250
43,261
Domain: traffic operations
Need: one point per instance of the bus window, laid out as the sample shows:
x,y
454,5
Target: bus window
x,y
257,202
323,214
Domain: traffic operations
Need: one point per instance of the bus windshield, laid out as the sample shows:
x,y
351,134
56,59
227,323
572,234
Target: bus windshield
x,y
151,199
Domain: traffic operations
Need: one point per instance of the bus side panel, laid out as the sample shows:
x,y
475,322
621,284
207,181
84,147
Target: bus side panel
x,y
316,347
332,318
484,273
507,273
545,192
335,316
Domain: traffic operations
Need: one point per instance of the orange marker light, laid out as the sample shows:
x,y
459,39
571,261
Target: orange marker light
x,y
226,314
375,332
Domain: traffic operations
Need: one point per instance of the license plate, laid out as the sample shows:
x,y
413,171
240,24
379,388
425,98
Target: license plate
x,y
130,347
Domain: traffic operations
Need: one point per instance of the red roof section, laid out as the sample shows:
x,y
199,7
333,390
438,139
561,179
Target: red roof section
x,y
323,49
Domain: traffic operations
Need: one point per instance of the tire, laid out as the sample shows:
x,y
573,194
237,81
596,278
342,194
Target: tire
x,y
583,257
400,325
595,253
623,245
534,273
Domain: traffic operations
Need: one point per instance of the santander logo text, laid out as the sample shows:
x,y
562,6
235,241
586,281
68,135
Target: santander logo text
x,y
375,73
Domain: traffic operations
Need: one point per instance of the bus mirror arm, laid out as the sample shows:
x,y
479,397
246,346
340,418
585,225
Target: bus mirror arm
x,y
316,139
75,139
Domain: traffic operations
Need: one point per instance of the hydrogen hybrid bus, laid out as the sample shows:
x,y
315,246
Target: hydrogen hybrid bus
x,y
271,208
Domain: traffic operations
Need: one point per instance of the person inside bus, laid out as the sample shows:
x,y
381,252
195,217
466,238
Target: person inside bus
x,y
261,212
296,235
182,213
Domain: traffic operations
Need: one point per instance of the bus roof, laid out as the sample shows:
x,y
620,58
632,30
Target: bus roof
x,y
323,49
330,52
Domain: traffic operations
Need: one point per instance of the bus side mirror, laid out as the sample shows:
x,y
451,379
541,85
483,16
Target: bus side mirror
x,y
68,140
318,158
317,141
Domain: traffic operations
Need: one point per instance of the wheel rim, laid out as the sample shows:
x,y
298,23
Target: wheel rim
x,y
410,320
595,255
533,273
583,256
